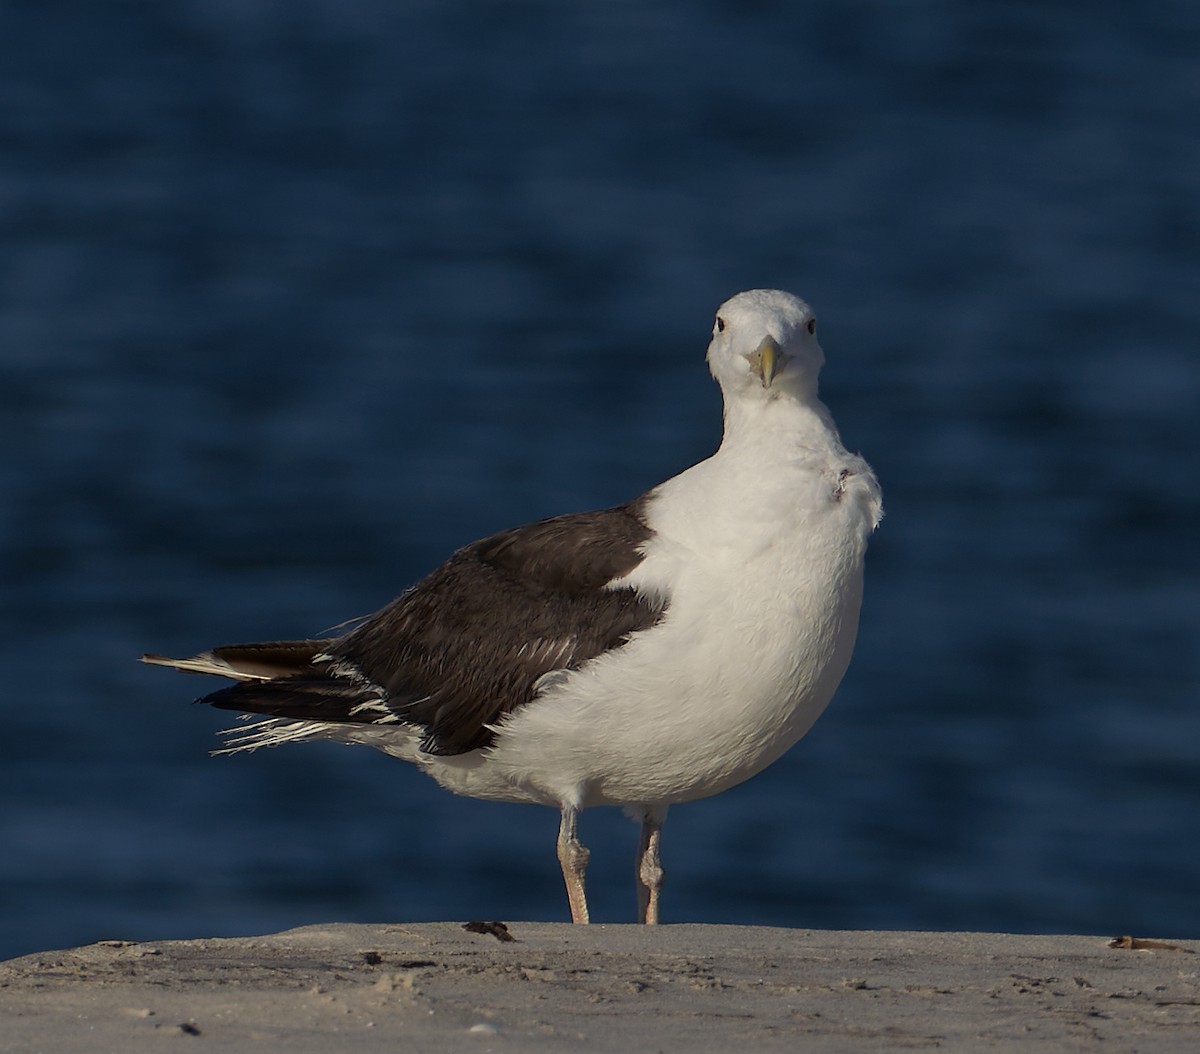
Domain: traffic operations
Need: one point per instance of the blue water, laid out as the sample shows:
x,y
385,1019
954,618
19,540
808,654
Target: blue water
x,y
296,298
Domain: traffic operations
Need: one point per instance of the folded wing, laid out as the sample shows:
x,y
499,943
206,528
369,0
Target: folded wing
x,y
471,642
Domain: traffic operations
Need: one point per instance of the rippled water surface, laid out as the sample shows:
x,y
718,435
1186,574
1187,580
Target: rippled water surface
x,y
297,298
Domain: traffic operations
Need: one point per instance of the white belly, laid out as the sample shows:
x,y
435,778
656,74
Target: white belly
x,y
633,728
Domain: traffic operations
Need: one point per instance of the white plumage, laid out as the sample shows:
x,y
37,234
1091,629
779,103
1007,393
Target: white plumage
x,y
712,646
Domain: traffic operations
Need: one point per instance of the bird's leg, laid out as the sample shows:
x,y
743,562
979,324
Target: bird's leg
x,y
649,866
573,859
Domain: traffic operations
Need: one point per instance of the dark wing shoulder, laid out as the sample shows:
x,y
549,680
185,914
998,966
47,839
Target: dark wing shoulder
x,y
469,643
577,553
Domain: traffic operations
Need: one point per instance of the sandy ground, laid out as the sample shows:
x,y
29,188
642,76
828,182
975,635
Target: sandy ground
x,y
554,987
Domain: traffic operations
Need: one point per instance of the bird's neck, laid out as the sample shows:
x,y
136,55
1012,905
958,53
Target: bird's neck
x,y
780,422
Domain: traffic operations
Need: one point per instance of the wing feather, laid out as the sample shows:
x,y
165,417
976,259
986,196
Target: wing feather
x,y
475,639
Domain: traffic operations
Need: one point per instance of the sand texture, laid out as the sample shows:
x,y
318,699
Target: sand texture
x,y
554,987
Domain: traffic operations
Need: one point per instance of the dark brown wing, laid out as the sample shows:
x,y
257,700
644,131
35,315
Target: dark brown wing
x,y
469,643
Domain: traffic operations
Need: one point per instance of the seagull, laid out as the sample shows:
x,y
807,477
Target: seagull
x,y
641,656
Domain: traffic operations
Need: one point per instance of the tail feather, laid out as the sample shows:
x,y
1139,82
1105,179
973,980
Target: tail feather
x,y
294,683
272,732
316,696
249,662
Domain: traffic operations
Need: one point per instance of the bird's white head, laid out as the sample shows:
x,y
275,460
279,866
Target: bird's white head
x,y
764,346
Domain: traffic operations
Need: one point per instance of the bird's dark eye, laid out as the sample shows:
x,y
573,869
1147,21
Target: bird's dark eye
x,y
720,324
812,325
